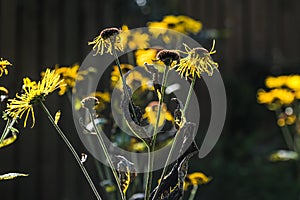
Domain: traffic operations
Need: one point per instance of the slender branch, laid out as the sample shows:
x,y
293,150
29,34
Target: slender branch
x,y
106,153
71,148
153,141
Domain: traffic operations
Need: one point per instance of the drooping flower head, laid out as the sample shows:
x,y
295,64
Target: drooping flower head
x,y
197,61
89,103
168,57
34,93
107,40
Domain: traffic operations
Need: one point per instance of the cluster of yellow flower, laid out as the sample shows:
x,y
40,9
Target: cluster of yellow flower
x,y
181,23
284,90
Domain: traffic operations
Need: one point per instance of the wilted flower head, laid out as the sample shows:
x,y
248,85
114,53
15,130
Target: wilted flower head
x,y
34,93
107,40
197,61
89,103
168,57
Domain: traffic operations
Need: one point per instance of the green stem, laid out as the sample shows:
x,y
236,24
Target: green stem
x,y
193,192
176,137
153,141
189,95
71,148
106,153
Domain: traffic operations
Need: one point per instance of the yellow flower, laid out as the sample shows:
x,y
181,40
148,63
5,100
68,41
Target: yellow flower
x,y
275,82
281,96
151,114
107,40
182,24
293,82
197,61
196,178
264,97
157,28
34,92
143,56
69,75
3,65
190,25
285,96
134,39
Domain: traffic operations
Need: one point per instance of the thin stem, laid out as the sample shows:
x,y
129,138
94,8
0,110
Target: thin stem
x,y
7,129
189,95
193,192
153,141
176,137
71,148
106,153
124,83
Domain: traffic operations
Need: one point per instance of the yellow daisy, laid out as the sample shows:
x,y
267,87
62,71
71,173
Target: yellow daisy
x,y
197,61
34,92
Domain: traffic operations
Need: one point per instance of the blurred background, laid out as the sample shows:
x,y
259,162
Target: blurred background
x,y
255,38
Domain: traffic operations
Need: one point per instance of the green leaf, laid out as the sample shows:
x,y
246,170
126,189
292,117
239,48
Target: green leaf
x,y
10,176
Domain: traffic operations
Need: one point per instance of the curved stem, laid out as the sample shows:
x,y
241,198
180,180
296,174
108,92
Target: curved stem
x,y
153,141
101,141
71,148
176,136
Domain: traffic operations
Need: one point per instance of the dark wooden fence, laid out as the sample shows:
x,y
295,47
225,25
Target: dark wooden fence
x,y
263,35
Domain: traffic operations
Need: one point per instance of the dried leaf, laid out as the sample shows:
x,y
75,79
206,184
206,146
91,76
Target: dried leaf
x,y
126,171
172,185
10,176
155,76
8,141
128,115
178,115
